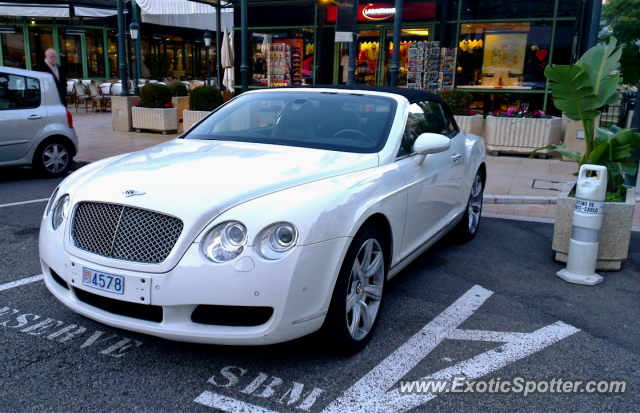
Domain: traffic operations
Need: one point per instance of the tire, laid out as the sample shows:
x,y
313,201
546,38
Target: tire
x,y
53,158
467,229
357,298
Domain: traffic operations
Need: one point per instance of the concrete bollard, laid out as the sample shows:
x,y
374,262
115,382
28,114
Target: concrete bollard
x,y
587,220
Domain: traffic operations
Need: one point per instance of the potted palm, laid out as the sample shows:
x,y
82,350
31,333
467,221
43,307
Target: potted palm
x,y
179,97
155,110
202,101
579,91
459,102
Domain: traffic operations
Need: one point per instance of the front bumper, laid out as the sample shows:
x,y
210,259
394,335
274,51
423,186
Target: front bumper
x,y
297,287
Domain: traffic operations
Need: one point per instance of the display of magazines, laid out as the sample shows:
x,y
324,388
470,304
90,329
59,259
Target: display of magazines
x,y
430,67
284,63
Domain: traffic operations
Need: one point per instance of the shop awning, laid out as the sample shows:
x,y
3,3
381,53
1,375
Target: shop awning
x,y
52,10
34,10
184,13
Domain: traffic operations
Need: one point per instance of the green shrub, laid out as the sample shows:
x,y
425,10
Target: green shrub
x,y
154,95
178,89
205,98
459,101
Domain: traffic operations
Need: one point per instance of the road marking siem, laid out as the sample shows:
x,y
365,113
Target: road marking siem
x,y
372,393
21,282
24,202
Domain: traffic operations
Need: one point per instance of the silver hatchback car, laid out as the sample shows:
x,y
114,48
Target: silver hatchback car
x,y
35,127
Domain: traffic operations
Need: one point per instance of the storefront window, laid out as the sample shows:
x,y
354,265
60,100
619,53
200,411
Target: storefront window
x,y
367,58
490,102
563,49
189,52
13,49
95,53
506,9
503,55
407,36
112,42
70,54
568,8
92,21
281,57
40,39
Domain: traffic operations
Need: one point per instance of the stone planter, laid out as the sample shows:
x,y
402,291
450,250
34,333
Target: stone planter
x,y
615,232
191,117
470,124
181,103
164,120
521,135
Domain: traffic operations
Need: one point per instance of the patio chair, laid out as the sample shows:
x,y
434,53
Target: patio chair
x,y
70,94
96,97
81,96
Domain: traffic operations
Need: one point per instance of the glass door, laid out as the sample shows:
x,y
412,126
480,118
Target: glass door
x,y
367,58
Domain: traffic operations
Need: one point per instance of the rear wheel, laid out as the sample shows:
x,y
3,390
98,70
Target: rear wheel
x,y
53,158
468,227
357,297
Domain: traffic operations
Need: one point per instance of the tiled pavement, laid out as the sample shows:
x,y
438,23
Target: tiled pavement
x,y
517,186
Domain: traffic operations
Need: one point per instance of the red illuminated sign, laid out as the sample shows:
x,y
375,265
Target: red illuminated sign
x,y
424,10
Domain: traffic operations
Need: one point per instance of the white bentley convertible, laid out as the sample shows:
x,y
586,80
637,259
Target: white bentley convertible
x,y
284,211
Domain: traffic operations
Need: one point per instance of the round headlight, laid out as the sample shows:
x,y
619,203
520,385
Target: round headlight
x,y
60,212
225,241
275,241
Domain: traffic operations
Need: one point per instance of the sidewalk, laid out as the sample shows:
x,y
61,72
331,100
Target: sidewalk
x,y
516,185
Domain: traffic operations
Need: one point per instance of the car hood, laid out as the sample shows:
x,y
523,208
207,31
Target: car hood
x,y
196,180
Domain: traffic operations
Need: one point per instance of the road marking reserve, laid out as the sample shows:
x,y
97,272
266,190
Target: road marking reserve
x,y
24,202
21,282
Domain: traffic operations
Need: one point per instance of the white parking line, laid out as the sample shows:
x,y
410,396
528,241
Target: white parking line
x,y
21,282
24,202
228,404
372,393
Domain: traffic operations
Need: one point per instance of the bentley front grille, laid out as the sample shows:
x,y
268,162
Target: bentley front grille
x,y
124,232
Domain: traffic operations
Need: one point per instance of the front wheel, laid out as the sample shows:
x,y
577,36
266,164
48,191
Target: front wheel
x,y
468,227
357,297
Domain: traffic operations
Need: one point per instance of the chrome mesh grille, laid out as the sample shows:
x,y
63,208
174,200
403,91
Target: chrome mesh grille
x,y
125,233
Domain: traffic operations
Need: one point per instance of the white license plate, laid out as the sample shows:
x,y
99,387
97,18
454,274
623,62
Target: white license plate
x,y
103,281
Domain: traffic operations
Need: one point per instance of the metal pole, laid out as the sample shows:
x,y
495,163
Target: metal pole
x,y
318,48
206,48
394,70
218,23
591,26
138,49
244,64
122,63
353,47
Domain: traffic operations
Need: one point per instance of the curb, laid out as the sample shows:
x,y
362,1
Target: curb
x,y
518,199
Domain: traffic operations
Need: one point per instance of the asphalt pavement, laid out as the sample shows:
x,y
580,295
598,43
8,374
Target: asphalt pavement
x,y
489,308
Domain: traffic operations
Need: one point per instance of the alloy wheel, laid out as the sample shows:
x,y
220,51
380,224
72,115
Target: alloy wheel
x,y
55,158
475,204
364,289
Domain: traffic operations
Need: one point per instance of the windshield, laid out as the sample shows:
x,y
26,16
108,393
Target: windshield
x,y
334,121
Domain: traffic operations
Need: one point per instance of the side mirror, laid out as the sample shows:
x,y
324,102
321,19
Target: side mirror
x,y
429,143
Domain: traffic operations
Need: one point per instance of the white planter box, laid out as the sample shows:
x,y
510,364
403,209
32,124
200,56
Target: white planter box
x,y
181,103
521,135
164,120
192,117
615,233
470,124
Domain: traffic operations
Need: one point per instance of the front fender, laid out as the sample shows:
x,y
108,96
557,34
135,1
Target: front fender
x,y
329,208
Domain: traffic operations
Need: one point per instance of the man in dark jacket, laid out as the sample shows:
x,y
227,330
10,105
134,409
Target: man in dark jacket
x,y
50,66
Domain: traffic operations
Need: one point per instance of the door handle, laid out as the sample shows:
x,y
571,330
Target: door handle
x,y
34,117
456,157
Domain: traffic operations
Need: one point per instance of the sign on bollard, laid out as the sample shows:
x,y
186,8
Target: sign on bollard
x,y
587,220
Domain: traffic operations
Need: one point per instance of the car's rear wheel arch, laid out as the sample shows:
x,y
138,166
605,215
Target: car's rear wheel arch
x,y
381,222
63,138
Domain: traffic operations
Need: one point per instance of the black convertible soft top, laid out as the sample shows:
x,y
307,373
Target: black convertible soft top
x,y
412,95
